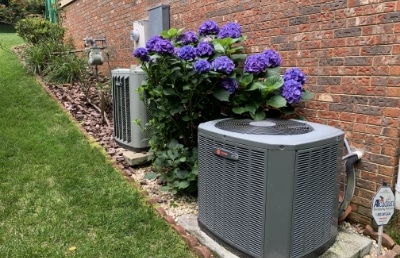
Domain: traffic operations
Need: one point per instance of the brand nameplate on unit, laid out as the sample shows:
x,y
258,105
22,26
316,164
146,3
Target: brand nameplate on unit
x,y
225,153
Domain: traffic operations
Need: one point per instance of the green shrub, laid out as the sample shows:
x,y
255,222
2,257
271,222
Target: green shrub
x,y
14,10
197,77
35,7
36,29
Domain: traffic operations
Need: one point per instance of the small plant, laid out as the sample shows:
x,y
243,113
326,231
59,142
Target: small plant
x,y
36,58
193,77
65,68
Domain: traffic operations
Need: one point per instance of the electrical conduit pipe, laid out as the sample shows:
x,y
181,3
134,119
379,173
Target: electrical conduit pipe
x,y
397,193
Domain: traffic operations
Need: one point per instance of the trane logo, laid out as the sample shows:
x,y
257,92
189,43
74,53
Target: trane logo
x,y
225,153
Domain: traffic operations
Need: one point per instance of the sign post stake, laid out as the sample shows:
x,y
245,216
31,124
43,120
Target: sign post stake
x,y
380,232
382,210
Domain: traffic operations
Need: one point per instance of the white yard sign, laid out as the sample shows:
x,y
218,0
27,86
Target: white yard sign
x,y
383,205
382,210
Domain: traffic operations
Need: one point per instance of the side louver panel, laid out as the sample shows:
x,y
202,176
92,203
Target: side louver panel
x,y
315,202
127,107
232,195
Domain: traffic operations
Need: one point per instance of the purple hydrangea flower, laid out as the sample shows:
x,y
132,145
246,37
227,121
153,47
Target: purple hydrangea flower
x,y
230,30
229,84
202,66
209,27
291,91
274,59
151,42
256,63
205,49
187,53
163,46
142,54
223,64
295,74
188,38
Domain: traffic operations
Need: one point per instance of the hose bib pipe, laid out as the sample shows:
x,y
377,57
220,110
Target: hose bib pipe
x,y
350,160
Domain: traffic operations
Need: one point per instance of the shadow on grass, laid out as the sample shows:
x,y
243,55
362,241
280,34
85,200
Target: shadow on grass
x,y
6,28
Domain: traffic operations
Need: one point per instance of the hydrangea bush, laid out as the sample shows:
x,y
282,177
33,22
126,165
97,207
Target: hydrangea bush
x,y
193,77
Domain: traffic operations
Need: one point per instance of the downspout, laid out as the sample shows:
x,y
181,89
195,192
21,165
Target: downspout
x,y
397,194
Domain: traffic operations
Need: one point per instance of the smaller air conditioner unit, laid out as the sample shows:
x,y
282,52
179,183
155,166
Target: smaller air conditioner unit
x,y
127,107
269,189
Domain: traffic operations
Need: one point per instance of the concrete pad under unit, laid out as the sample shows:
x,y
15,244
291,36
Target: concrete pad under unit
x,y
348,244
136,158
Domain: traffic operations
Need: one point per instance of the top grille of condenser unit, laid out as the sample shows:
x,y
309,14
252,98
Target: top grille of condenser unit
x,y
265,127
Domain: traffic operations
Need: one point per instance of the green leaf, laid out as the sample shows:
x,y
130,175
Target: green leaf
x,y
273,83
172,32
172,154
246,79
165,188
275,71
177,110
183,184
164,34
219,48
182,174
186,118
256,86
251,108
169,92
259,115
239,110
235,50
221,94
238,57
180,31
307,95
150,175
277,101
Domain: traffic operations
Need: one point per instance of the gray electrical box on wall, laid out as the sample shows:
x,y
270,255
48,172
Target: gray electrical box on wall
x,y
158,19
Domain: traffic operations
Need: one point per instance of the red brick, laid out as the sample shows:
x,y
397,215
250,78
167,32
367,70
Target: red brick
x,y
393,91
161,211
347,116
396,49
392,112
389,254
179,229
153,200
396,248
191,241
144,193
395,70
202,252
170,219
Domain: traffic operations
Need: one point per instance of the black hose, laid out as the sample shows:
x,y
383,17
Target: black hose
x,y
350,176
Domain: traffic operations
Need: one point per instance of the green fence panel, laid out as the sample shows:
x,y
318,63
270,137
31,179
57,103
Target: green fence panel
x,y
51,10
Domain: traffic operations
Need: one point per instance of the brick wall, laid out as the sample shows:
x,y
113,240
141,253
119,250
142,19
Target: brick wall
x,y
349,50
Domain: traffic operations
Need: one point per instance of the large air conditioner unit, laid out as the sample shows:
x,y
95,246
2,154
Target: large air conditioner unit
x,y
127,107
269,188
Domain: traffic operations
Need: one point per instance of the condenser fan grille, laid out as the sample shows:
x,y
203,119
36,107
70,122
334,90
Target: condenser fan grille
x,y
265,127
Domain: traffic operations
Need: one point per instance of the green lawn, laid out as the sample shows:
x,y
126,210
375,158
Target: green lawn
x,y
59,196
